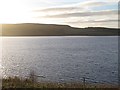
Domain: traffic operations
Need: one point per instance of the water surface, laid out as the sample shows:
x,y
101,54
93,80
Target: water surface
x,y
62,59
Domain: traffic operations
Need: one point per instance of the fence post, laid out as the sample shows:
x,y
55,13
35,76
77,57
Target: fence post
x,y
84,86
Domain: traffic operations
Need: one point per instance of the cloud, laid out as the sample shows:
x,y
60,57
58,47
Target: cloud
x,y
104,24
95,21
59,9
116,1
83,14
76,6
94,3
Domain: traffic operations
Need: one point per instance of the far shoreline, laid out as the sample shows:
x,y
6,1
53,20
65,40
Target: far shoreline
x,y
64,36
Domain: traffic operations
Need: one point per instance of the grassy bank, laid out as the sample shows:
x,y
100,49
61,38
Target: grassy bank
x,y
16,82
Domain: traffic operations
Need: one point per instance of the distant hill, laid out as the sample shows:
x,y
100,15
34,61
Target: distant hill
x,y
54,30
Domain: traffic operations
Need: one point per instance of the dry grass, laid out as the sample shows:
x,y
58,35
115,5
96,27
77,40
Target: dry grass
x,y
16,82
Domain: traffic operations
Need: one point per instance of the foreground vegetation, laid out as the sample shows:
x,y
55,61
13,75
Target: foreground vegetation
x,y
17,82
32,82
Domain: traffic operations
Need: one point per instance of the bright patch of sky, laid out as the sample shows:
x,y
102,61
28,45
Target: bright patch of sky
x,y
76,13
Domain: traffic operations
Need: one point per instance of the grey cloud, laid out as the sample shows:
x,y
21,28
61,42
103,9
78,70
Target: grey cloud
x,y
59,9
94,4
77,6
95,21
82,14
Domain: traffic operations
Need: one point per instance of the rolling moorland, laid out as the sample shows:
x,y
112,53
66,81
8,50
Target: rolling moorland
x,y
34,29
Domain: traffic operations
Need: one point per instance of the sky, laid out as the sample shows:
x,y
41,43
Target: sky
x,y
76,13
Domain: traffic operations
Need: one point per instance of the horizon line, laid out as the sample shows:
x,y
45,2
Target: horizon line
x,y
60,25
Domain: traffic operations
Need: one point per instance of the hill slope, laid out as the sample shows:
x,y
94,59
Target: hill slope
x,y
54,30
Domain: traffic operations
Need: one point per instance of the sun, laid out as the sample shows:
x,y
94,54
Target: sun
x,y
13,11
